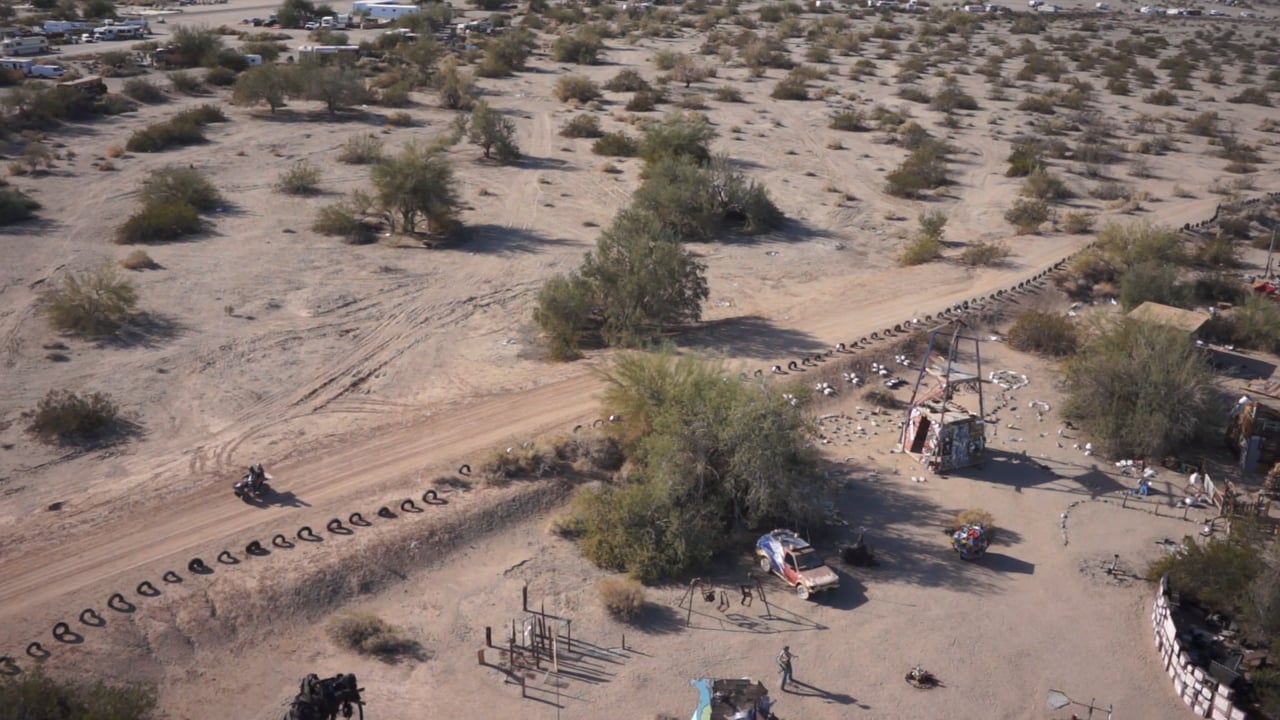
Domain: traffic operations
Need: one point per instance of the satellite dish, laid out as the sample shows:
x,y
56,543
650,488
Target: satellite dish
x,y
1057,700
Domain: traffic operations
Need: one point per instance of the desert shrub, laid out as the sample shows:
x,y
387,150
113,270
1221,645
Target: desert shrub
x,y
728,93
302,178
1219,573
186,82
583,47
1077,222
1253,95
920,249
416,185
644,101
164,135
791,87
679,135
1044,185
15,205
1204,124
627,81
1040,104
1126,245
702,203
143,91
1255,323
914,93
1111,191
91,303
1044,333
361,150
157,222
341,220
849,120
582,126
924,169
622,597
221,77
951,98
1217,251
984,254
616,144
368,634
36,695
502,465
576,87
138,260
975,516
1161,97
66,416
178,184
202,115
1139,389
492,131
1027,215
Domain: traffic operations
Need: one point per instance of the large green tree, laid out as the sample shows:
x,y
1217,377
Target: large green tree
x,y
416,185
1140,389
334,84
270,83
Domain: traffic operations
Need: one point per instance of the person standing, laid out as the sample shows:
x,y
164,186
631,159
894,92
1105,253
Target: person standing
x,y
784,667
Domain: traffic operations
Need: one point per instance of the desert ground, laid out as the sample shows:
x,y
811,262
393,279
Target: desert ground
x,y
360,374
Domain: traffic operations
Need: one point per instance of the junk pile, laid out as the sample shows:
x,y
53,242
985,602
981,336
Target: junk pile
x,y
970,541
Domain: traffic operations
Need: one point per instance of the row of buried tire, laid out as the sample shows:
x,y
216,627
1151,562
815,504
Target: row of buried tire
x,y
63,633
1272,196
959,310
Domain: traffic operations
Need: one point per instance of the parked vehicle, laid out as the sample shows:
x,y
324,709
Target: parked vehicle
x,y
47,71
791,558
29,45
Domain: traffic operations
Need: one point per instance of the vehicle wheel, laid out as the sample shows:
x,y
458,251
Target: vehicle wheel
x,y
802,591
765,565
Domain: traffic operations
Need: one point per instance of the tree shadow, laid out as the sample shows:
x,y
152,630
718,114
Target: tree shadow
x,y
147,330
500,239
530,162
749,336
791,230
35,225
287,115
1240,366
657,619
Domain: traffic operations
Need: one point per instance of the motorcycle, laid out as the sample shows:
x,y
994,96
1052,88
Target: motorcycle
x,y
922,679
253,484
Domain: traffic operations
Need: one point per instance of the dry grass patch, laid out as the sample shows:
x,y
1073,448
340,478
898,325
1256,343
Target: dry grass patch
x,y
622,597
138,260
368,634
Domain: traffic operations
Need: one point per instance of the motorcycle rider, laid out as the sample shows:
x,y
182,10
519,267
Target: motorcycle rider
x,y
256,477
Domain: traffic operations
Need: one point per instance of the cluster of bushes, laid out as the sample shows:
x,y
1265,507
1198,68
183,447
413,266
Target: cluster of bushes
x,y
705,456
640,281
172,199
366,633
185,128
336,85
36,695
1044,333
36,106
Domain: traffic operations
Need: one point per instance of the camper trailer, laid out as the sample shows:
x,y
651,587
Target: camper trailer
x,y
117,32
391,12
29,45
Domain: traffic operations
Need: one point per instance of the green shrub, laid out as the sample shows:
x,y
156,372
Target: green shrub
x,y
36,695
340,220
221,77
583,47
302,178
622,597
627,81
1026,215
1077,222
368,634
186,82
66,416
576,87
1044,185
178,184
922,248
1044,333
582,126
644,101
164,135
361,150
157,222
924,169
615,144
93,303
790,88
143,91
679,135
15,205
728,93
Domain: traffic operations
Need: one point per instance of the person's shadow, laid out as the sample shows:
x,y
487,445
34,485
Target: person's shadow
x,y
804,689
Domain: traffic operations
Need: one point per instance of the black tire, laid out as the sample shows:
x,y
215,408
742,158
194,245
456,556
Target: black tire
x,y
408,505
281,541
197,565
432,497
255,548
334,525
90,617
36,650
118,603
226,558
385,512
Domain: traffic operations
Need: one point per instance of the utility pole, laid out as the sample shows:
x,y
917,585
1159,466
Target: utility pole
x,y
1271,249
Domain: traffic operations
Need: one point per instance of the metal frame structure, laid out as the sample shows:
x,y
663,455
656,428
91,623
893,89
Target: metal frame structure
x,y
936,415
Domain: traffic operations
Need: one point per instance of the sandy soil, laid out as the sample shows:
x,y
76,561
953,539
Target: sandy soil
x,y
359,373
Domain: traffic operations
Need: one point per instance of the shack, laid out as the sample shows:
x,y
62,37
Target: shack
x,y
1253,434
939,432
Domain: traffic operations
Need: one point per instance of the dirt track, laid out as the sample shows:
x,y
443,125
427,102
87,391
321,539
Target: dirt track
x,y
345,476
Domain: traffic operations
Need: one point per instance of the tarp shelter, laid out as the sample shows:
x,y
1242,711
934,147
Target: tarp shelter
x,y
1188,321
1253,434
734,699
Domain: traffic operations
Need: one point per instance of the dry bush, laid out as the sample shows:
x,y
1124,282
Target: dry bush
x,y
500,466
976,516
576,87
156,222
616,144
368,634
399,118
67,416
881,398
138,260
922,248
582,126
1026,216
851,120
302,178
622,597
791,87
566,525
984,254
1044,333
627,81
143,91
114,151
343,220
361,150
645,101
1077,222
728,93
92,303
33,694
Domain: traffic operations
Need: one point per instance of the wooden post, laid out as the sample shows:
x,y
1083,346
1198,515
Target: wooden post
x,y
555,656
760,589
624,641
524,598
522,690
488,636
480,655
568,635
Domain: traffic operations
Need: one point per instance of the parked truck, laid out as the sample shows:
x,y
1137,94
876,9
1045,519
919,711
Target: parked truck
x,y
787,555
29,45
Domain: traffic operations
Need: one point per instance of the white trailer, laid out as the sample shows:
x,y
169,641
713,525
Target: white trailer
x,y
22,65
29,45
66,26
117,32
391,12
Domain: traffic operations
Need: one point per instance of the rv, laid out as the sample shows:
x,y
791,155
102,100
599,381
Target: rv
x,y
321,50
68,27
392,12
117,32
22,65
30,45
